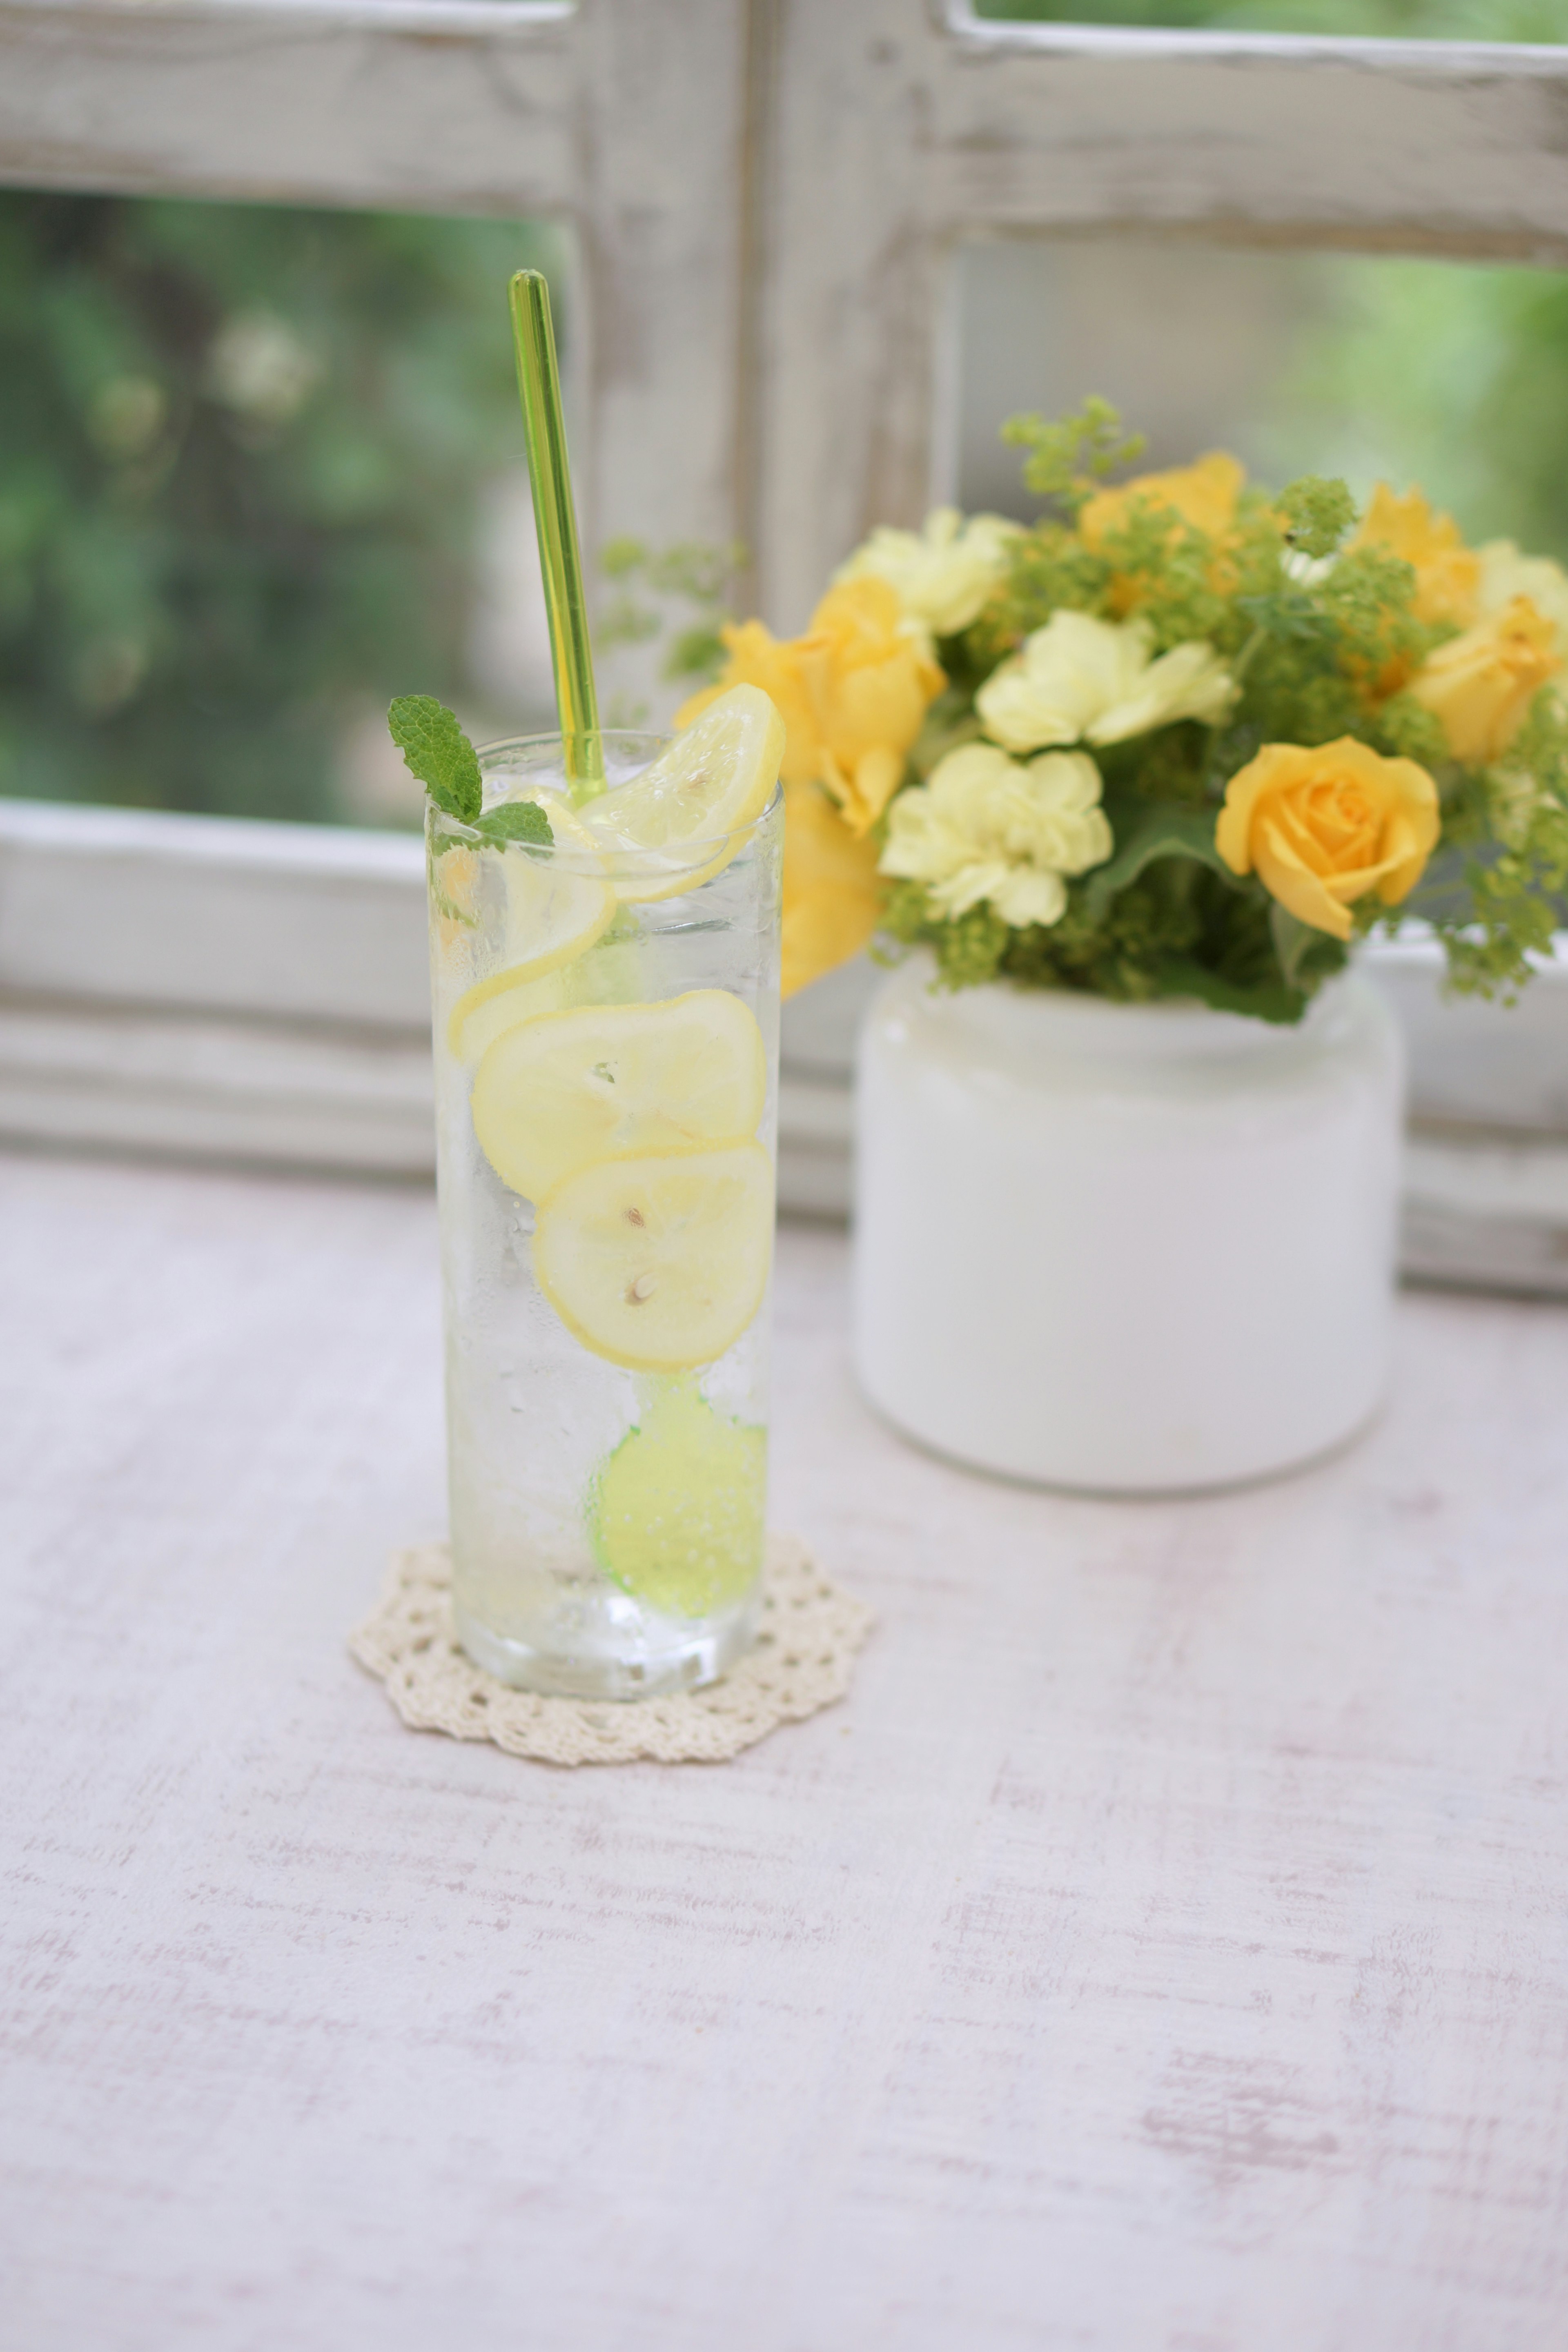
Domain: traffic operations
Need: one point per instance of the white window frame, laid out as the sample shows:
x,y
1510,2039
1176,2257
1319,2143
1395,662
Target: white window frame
x,y
765,199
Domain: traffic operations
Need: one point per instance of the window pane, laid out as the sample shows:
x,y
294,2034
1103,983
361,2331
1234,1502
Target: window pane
x,y
1448,374
260,469
1429,20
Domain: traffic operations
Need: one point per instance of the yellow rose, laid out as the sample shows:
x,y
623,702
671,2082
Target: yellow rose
x,y
853,693
1447,575
1322,827
1480,685
832,897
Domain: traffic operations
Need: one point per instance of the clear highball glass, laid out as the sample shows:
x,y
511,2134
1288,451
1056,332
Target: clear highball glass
x,y
606,1082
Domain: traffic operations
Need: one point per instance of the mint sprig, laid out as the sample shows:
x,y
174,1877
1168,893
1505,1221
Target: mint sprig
x,y
439,753
523,820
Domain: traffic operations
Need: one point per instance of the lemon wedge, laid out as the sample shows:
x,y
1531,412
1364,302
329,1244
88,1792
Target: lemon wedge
x,y
715,779
677,1513
557,907
599,1081
658,1262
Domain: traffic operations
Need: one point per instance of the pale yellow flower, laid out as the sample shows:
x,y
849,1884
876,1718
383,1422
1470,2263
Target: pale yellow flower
x,y
1082,680
985,828
1507,573
1480,686
942,574
1324,827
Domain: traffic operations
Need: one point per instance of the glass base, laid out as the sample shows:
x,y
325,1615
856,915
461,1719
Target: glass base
x,y
707,1652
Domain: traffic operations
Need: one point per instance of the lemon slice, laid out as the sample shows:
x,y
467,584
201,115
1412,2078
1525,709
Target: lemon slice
x,y
599,1081
716,778
479,1018
677,1513
659,1261
555,910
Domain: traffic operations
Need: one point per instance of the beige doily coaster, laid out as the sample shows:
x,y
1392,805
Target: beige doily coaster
x,y
802,1660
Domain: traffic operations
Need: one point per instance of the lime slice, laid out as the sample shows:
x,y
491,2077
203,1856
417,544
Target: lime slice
x,y
659,1261
568,1088
555,910
716,778
677,1513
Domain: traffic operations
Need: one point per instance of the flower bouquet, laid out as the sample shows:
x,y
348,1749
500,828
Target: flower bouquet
x,y
1183,738
1106,784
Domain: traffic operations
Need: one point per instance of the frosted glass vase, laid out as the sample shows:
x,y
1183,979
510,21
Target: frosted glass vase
x,y
1128,1248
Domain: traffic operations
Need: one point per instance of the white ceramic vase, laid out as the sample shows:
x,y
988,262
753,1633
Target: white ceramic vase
x,y
1132,1248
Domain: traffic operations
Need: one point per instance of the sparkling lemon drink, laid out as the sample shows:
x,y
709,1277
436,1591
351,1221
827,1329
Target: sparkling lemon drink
x,y
606,1022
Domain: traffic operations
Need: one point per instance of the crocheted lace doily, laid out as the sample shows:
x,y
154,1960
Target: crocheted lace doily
x,y
802,1660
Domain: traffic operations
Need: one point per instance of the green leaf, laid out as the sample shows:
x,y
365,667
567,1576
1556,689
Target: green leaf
x,y
1291,612
1270,1001
523,820
1304,953
439,753
1162,833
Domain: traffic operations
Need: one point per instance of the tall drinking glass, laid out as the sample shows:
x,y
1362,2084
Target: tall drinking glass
x,y
606,1062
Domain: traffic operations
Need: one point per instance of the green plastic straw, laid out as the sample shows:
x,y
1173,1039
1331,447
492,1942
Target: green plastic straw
x,y
544,429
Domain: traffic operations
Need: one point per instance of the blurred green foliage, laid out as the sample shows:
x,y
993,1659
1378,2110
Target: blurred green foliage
x,y
1431,20
243,454
1480,421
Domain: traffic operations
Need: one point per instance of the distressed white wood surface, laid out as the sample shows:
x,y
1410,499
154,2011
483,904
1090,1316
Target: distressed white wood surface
x,y
1166,1946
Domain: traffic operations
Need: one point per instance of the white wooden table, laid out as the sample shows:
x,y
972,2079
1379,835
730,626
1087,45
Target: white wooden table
x,y
1166,1947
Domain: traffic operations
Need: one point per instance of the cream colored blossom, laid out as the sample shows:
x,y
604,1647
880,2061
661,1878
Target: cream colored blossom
x,y
1081,680
986,828
1507,573
944,574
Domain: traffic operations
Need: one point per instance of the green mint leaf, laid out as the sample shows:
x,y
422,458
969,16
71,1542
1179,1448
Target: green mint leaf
x,y
523,820
439,753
